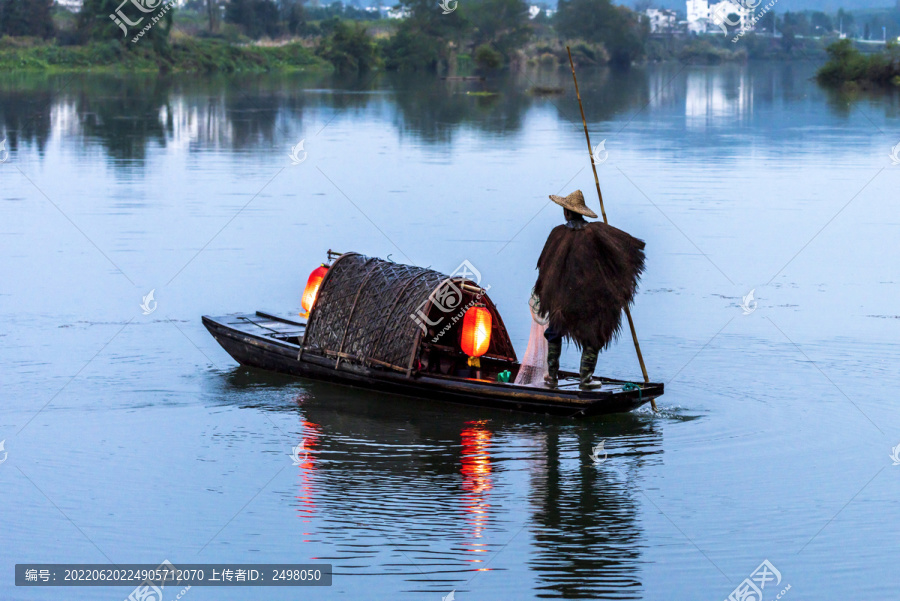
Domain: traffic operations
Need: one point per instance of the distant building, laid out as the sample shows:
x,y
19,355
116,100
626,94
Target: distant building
x,y
697,15
401,13
72,5
661,20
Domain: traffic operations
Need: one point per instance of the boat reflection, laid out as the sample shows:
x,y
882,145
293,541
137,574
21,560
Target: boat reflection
x,y
426,492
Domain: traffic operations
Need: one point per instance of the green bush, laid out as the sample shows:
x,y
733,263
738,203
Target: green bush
x,y
584,53
488,58
349,48
622,31
704,53
411,50
847,64
26,18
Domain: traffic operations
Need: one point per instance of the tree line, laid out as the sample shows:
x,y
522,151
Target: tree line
x,y
429,36
486,32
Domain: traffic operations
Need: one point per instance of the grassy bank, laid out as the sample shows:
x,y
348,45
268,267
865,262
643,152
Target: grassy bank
x,y
184,54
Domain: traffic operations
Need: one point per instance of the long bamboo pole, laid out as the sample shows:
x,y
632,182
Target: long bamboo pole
x,y
637,345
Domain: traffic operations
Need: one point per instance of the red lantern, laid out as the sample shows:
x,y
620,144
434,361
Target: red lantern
x,y
476,332
312,288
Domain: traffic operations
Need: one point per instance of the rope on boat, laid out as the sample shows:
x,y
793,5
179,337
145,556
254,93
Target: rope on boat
x,y
632,386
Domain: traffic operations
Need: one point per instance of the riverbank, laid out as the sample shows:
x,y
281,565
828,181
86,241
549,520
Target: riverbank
x,y
184,54
189,54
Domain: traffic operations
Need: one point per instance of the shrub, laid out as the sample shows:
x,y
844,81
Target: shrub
x,y
411,50
847,64
349,48
488,58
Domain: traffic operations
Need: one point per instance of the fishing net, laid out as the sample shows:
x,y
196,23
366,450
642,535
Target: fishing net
x,y
534,363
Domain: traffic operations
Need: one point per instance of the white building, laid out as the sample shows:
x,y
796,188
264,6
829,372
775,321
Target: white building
x,y
394,13
697,15
661,21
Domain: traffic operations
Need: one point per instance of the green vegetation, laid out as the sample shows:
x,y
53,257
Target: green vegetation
x,y
848,66
458,37
621,31
705,53
26,18
489,30
255,17
182,54
349,48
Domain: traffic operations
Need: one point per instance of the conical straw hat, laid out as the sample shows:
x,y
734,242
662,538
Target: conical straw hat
x,y
574,202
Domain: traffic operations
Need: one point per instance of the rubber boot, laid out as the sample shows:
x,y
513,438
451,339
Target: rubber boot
x,y
588,363
554,350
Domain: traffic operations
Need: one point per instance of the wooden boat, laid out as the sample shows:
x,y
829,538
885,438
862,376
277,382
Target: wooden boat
x,y
394,328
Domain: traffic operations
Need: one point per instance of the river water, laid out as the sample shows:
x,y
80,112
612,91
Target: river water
x,y
134,438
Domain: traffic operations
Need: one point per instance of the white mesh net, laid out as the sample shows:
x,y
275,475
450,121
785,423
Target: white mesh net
x,y
534,363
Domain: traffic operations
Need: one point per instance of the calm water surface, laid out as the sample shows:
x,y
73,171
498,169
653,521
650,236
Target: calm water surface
x,y
135,438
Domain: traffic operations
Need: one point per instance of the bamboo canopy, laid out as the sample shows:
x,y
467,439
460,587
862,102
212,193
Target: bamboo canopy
x,y
379,313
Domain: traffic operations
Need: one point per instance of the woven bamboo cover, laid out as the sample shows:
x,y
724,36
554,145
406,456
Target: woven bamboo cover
x,y
363,309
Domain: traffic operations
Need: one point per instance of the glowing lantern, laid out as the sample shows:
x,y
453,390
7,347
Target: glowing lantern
x,y
476,334
312,288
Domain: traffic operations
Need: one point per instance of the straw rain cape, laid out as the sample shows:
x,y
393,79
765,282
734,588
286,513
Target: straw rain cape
x,y
586,277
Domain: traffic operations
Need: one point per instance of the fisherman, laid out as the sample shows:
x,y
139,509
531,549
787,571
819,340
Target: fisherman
x,y
588,273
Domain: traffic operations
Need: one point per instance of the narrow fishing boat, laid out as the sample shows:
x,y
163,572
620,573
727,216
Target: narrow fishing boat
x,y
408,330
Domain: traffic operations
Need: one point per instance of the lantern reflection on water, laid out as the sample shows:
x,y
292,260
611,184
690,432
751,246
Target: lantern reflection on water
x,y
477,482
307,469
